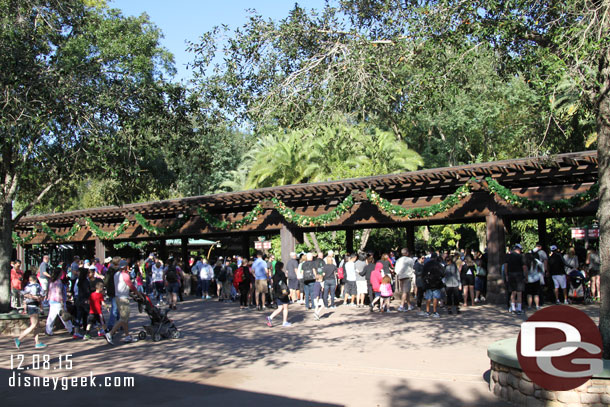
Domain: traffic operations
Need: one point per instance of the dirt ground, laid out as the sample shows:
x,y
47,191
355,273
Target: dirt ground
x,y
230,357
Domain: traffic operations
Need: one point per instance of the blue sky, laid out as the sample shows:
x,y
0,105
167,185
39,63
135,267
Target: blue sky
x,y
186,20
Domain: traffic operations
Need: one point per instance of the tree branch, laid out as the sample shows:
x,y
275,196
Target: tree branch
x,y
29,206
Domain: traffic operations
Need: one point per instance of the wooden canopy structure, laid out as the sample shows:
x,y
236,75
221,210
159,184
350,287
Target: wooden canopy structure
x,y
545,179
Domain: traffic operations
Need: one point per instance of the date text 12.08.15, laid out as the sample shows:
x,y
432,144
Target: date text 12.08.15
x,y
41,361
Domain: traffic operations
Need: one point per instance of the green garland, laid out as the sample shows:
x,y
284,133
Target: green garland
x,y
417,213
147,226
291,216
54,236
98,232
133,245
507,195
226,225
24,240
303,220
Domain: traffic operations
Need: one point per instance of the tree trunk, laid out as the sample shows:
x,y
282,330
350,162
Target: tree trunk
x,y
481,230
315,241
306,241
365,239
6,251
603,156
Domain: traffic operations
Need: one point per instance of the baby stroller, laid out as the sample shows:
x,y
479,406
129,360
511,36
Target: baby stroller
x,y
160,325
578,290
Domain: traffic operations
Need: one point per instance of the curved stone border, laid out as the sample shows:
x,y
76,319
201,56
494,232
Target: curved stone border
x,y
508,382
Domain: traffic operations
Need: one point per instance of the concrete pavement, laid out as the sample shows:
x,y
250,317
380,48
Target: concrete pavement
x,y
349,358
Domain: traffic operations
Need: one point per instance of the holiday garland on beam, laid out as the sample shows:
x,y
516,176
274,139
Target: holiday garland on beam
x,y
226,225
147,226
302,220
424,212
98,232
493,186
133,245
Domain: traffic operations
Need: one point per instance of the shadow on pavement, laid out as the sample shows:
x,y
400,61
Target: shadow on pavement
x,y
147,390
438,395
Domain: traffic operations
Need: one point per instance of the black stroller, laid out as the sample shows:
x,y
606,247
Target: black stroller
x,y
578,289
160,325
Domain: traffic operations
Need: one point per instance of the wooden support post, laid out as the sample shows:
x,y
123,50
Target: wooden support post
x,y
495,256
100,249
21,255
542,237
184,253
411,239
163,250
245,245
349,240
288,243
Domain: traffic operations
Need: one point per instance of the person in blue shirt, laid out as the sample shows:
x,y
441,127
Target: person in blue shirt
x,y
261,274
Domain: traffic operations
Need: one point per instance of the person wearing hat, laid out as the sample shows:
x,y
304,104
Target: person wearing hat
x,y
123,286
558,274
516,272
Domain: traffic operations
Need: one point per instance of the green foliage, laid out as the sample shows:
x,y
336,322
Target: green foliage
x,y
323,152
327,240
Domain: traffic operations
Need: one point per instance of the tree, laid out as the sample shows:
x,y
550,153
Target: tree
x,y
455,100
569,39
337,150
84,92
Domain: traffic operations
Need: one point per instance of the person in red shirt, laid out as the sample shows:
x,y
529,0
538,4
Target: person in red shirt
x,y
16,285
96,300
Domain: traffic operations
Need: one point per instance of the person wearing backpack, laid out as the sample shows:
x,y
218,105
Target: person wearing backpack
x,y
172,282
535,276
309,278
280,287
433,274
405,272
227,282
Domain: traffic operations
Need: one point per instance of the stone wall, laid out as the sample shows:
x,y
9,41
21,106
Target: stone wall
x,y
513,385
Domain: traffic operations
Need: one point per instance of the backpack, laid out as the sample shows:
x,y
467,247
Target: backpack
x,y
433,278
282,288
172,275
308,275
222,276
340,274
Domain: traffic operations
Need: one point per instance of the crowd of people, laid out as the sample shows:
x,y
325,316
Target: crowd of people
x,y
77,294
425,282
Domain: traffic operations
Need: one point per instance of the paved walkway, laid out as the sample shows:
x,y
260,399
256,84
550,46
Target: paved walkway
x,y
227,356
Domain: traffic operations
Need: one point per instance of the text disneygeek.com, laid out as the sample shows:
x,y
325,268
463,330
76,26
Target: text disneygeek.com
x,y
66,383
61,362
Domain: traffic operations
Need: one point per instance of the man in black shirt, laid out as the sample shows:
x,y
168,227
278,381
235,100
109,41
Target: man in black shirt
x,y
293,281
515,272
558,273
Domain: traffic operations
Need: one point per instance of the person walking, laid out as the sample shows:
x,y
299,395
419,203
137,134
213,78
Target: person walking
x,y
57,303
32,294
124,286
291,272
280,286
